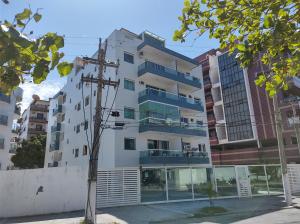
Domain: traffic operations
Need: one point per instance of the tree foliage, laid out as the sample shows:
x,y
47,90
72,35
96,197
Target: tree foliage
x,y
269,28
22,56
31,153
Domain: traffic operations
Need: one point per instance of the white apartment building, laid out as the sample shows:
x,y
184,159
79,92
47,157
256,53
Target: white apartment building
x,y
34,119
9,111
160,101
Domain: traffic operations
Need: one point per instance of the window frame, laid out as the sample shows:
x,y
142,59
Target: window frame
x,y
132,110
126,58
129,138
129,81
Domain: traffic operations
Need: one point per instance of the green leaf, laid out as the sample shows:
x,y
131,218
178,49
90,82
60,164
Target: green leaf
x,y
241,47
23,15
37,17
64,68
268,21
20,23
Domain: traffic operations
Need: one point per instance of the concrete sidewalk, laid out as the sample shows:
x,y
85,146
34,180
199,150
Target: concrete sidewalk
x,y
269,209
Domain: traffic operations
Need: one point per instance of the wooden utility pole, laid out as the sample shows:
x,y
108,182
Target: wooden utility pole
x,y
90,210
285,180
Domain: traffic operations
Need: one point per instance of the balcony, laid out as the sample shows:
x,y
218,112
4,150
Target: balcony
x,y
211,120
58,110
56,128
37,131
213,140
157,125
169,98
39,107
156,44
54,146
172,74
207,84
161,157
38,119
4,98
209,102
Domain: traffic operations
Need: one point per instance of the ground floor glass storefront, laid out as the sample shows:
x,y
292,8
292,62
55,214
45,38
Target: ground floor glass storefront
x,y
188,183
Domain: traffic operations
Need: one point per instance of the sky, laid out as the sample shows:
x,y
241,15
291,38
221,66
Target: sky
x,y
83,22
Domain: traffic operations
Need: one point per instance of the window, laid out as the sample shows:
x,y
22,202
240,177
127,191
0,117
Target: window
x,y
1,143
157,144
4,120
128,84
40,116
78,106
129,144
70,100
94,92
86,125
84,150
128,58
87,101
76,152
128,113
201,147
294,140
78,128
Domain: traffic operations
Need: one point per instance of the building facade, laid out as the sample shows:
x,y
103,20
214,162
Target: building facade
x,y
9,111
34,119
159,117
241,115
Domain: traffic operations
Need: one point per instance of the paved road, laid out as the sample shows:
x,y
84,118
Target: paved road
x,y
259,210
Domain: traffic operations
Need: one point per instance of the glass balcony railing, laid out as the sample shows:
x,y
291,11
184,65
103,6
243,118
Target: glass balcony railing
x,y
57,110
169,98
56,127
54,146
157,156
160,125
169,73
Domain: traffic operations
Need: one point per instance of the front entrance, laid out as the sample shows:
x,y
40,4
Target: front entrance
x,y
243,181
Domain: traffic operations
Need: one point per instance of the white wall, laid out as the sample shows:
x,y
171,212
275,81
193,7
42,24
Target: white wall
x,y
64,189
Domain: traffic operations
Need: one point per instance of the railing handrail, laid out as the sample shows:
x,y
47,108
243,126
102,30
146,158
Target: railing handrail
x,y
172,153
165,68
172,124
149,90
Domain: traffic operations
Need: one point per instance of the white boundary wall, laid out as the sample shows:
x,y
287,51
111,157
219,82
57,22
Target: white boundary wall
x,y
294,177
64,189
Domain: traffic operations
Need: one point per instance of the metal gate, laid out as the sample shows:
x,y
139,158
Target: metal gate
x,y
243,181
118,187
294,177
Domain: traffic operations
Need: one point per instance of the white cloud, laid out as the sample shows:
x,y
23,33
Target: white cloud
x,y
45,90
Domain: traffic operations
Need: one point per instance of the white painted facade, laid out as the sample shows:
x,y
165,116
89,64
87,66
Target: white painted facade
x,y
34,119
72,145
9,111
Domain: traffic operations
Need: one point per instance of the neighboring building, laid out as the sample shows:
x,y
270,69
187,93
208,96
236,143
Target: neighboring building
x,y
9,111
34,119
240,114
160,100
